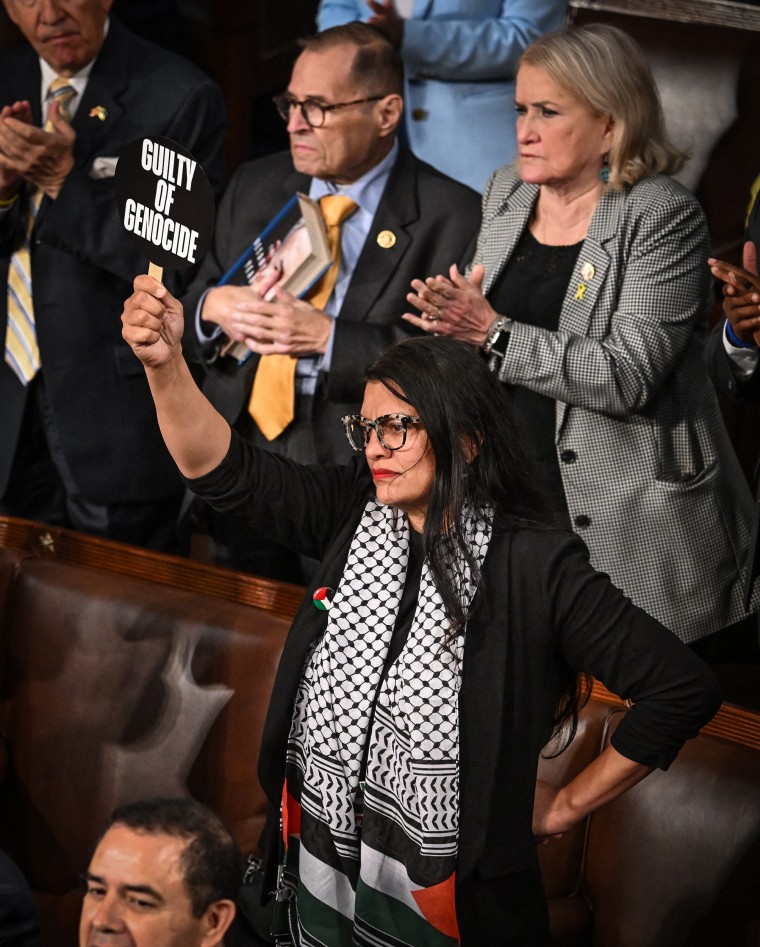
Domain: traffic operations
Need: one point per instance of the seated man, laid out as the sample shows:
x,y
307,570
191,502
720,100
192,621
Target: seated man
x,y
164,874
343,107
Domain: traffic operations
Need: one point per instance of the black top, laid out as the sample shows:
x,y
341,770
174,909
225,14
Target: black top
x,y
541,609
531,289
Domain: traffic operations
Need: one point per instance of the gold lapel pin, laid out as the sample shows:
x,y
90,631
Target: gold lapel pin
x,y
587,270
386,239
99,112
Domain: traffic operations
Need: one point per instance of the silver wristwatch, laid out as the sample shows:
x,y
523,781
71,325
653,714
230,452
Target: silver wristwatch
x,y
498,337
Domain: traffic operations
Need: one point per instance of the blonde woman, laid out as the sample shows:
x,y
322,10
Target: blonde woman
x,y
589,295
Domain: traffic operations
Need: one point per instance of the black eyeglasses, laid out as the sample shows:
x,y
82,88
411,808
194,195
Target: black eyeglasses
x,y
314,112
390,429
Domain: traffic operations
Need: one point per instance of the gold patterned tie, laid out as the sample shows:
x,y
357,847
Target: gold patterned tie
x,y
21,350
272,404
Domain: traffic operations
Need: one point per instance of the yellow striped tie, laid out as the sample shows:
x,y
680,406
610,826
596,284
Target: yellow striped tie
x,y
272,404
22,352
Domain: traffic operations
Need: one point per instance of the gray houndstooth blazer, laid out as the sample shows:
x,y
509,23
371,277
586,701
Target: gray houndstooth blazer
x,y
651,480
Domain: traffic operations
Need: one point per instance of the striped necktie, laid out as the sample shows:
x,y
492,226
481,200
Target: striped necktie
x,y
22,352
272,404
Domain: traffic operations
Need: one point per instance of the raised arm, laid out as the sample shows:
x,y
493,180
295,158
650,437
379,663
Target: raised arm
x,y
196,435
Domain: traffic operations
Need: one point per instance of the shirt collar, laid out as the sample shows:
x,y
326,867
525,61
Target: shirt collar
x,y
366,190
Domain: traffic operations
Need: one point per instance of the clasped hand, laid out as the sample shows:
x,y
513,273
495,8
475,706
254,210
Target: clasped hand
x,y
453,306
284,325
741,291
28,153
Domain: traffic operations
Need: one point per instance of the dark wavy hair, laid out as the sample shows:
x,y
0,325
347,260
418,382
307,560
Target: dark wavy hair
x,y
463,406
211,864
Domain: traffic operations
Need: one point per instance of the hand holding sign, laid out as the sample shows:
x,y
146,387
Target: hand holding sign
x,y
165,202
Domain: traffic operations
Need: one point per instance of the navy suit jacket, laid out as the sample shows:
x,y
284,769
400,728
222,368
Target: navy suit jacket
x,y
83,264
434,220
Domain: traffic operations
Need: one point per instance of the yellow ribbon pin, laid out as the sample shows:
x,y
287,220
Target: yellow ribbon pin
x,y
99,112
580,291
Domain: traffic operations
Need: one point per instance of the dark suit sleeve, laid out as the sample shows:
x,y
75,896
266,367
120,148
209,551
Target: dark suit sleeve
x,y
602,633
719,366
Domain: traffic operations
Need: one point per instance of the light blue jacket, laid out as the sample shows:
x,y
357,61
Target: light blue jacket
x,y
460,59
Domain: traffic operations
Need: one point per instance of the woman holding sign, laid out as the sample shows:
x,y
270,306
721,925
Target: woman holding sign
x,y
450,628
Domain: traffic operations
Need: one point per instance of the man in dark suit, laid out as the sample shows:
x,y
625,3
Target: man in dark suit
x,y
732,349
343,107
80,444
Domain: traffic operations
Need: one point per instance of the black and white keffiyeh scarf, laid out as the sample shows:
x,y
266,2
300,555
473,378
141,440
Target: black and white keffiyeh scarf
x,y
371,800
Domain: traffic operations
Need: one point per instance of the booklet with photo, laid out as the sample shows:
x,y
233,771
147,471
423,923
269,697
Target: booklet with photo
x,y
292,251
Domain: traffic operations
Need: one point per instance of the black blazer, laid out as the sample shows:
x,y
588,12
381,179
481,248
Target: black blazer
x,y
542,609
434,220
83,264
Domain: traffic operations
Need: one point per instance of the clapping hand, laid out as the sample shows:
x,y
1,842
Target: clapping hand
x,y
741,291
453,306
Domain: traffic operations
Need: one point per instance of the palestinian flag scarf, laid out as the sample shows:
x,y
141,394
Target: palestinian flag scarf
x,y
370,809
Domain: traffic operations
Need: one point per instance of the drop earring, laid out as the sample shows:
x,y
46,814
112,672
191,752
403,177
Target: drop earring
x,y
604,171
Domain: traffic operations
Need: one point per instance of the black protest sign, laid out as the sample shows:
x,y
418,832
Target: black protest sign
x,y
165,201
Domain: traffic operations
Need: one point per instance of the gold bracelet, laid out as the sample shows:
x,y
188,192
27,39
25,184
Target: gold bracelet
x,y
11,200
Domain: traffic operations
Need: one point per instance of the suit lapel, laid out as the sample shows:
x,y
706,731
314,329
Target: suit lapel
x,y
589,276
294,183
504,231
398,208
108,79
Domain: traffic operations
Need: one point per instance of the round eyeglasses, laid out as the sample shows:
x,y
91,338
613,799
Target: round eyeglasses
x,y
314,112
390,429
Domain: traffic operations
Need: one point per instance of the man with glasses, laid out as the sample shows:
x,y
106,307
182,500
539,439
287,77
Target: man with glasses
x,y
80,442
343,107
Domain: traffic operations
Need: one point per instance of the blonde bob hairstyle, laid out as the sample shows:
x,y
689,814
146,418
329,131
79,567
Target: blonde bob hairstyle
x,y
604,68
